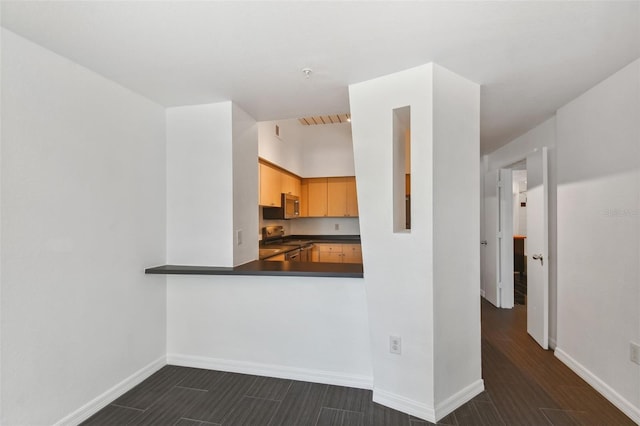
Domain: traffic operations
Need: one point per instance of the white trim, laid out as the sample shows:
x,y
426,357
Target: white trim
x,y
482,293
406,405
552,343
598,384
424,411
101,401
458,399
284,372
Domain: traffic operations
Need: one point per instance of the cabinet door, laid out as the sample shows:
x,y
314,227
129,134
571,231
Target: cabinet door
x,y
315,254
304,198
352,253
352,197
337,196
290,184
270,185
331,253
317,200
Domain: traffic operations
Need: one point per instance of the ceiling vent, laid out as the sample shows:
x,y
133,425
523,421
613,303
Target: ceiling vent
x,y
325,119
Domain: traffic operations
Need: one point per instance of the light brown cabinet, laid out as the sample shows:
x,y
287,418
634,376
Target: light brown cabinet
x,y
290,184
332,197
336,253
270,185
317,197
274,182
304,198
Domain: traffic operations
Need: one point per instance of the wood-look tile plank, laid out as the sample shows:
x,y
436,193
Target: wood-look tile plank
x,y
488,413
147,392
222,399
330,417
584,398
448,420
379,415
468,415
171,407
190,422
113,415
336,417
301,405
349,399
560,417
251,411
269,388
197,378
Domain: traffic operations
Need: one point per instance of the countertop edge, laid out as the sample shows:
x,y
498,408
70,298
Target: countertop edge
x,y
266,268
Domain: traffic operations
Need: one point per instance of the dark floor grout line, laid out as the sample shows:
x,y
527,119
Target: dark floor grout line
x,y
130,408
259,397
195,389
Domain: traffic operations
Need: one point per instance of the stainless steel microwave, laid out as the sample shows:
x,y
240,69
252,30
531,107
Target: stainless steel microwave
x,y
289,208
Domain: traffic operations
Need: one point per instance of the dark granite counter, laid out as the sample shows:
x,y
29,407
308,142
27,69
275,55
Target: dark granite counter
x,y
267,268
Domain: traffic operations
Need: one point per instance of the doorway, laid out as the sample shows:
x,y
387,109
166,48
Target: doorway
x,y
515,244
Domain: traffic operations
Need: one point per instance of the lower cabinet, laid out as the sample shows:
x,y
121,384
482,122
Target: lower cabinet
x,y
336,253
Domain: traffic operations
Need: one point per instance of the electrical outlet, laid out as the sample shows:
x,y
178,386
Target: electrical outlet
x,y
395,345
239,236
336,227
635,352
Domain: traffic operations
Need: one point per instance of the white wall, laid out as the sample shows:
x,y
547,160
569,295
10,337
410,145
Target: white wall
x,y
456,233
327,150
598,236
400,276
295,327
308,151
83,212
286,150
245,186
200,185
516,150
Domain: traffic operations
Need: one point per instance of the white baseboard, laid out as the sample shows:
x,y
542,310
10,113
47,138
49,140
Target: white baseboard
x,y
406,405
552,343
424,411
598,384
269,370
458,399
101,401
482,293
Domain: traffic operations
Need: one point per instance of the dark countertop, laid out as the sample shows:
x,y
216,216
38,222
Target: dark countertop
x,y
266,268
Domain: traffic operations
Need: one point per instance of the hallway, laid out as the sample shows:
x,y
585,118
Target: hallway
x,y
530,386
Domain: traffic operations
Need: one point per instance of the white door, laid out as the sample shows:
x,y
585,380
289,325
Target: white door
x,y
497,247
537,247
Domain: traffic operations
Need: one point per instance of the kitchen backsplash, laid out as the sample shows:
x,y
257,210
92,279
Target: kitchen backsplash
x,y
314,225
325,226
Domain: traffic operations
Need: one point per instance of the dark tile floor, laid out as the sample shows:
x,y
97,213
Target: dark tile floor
x,y
525,386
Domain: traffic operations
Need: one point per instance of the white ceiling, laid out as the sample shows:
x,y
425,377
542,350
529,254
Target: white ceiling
x,y
531,57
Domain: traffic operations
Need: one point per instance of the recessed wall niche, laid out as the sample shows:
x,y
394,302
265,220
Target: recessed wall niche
x,y
402,169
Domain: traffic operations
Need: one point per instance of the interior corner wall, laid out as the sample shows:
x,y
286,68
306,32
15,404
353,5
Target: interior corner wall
x,y
200,185
398,278
83,202
456,233
327,150
542,135
245,187
598,236
284,150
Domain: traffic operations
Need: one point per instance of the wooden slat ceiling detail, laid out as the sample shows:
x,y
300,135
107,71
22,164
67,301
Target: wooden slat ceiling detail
x,y
324,119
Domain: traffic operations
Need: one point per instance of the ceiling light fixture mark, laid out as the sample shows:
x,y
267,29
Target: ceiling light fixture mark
x,y
307,72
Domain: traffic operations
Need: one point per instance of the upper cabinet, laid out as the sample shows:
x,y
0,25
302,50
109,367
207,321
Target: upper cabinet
x,y
274,182
317,197
270,186
330,197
